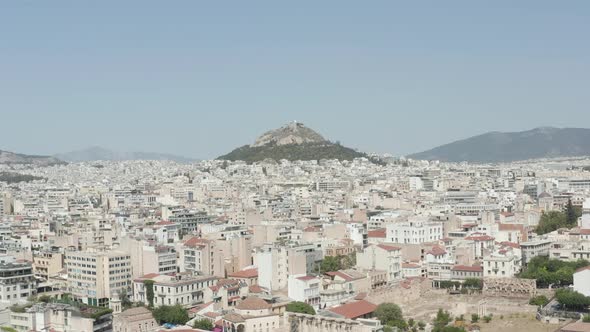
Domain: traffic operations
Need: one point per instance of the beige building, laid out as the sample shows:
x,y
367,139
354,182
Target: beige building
x,y
199,255
138,319
252,315
182,288
384,257
59,317
96,276
46,264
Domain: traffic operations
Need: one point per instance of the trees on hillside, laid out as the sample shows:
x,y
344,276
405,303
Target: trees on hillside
x,y
300,307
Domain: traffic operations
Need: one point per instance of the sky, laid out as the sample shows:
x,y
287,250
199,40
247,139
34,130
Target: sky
x,y
199,78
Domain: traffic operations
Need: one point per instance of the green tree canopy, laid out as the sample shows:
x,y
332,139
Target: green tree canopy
x,y
203,324
551,271
572,300
540,300
390,314
175,314
300,307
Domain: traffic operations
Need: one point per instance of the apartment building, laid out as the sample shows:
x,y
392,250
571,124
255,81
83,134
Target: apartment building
x,y
96,276
532,249
275,264
201,256
385,257
47,264
60,317
501,265
414,232
183,288
304,288
17,283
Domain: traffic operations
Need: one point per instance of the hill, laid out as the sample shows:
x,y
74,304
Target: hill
x,y
11,158
97,153
293,141
546,142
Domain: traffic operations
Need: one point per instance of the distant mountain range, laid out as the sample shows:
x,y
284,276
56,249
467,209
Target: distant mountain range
x,y
293,141
97,153
545,142
11,158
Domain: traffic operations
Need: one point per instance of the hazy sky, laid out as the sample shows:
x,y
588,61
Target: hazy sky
x,y
199,78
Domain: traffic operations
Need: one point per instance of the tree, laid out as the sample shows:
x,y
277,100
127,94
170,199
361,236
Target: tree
x,y
586,319
443,318
487,319
473,283
300,307
572,300
571,216
390,314
203,324
540,300
175,314
125,301
551,271
330,264
474,318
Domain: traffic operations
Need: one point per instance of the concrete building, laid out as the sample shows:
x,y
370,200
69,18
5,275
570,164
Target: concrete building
x,y
582,281
202,256
183,288
138,319
62,318
532,249
304,288
414,232
275,264
385,257
96,276
47,264
17,283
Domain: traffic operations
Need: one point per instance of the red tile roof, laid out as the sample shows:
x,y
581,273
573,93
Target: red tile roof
x,y
437,251
378,233
196,242
306,278
477,237
249,273
388,247
355,309
467,268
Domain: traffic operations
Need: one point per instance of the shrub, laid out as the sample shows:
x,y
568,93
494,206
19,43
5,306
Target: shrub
x,y
300,307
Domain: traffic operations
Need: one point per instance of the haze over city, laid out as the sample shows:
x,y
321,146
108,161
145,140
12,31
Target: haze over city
x,y
383,77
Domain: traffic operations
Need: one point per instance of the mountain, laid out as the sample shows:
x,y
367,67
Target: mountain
x,y
11,158
97,153
546,142
293,141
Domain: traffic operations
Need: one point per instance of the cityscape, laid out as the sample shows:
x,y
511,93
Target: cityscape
x,y
282,167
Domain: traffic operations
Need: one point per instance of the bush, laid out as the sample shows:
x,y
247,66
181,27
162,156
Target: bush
x,y
487,319
551,271
586,319
300,307
540,300
204,324
474,318
170,314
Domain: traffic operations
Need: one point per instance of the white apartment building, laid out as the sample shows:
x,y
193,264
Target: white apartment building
x,y
582,281
414,232
17,283
275,264
502,266
96,276
304,288
183,288
384,257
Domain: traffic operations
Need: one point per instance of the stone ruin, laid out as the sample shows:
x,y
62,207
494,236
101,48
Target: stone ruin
x,y
509,287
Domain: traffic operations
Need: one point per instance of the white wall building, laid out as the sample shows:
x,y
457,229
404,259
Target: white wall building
x,y
414,232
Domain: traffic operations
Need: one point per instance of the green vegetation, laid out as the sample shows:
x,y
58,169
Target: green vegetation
x,y
94,312
540,300
335,263
487,318
554,220
125,301
149,292
8,329
572,300
473,283
11,177
443,318
306,151
20,308
300,307
474,318
390,314
586,319
203,324
551,271
175,314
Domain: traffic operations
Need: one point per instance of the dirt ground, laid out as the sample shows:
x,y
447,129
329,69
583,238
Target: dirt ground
x,y
520,323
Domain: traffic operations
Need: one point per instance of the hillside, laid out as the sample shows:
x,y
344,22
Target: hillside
x,y
11,158
97,153
292,142
547,142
